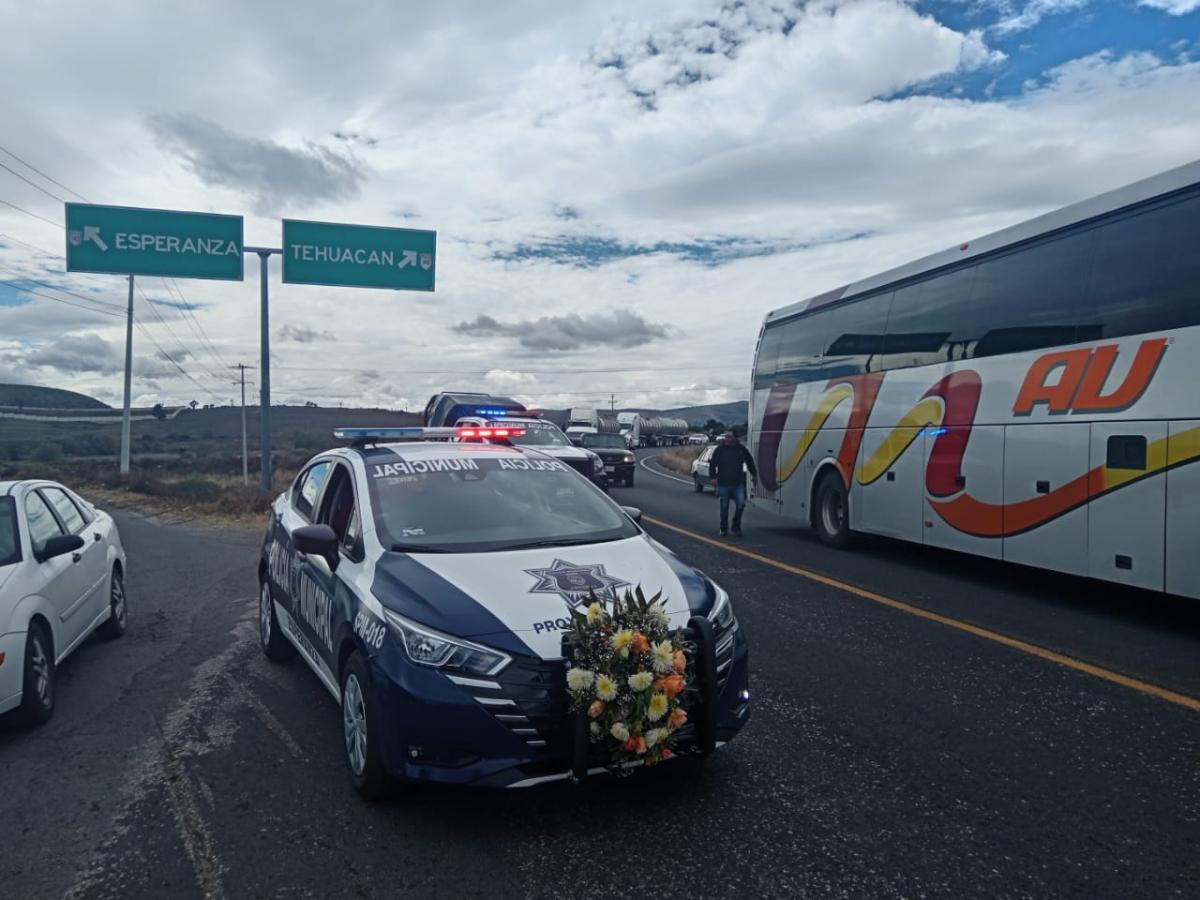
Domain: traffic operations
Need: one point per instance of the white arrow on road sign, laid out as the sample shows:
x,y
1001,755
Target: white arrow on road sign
x,y
92,233
408,259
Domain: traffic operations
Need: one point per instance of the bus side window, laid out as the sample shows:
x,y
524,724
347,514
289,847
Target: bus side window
x,y
1147,270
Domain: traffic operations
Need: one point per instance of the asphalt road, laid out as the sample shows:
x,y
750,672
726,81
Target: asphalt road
x,y
888,756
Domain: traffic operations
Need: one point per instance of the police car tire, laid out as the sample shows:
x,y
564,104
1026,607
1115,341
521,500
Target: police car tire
x,y
275,645
699,485
373,782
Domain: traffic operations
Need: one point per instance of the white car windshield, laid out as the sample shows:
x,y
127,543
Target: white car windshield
x,y
467,504
10,547
610,441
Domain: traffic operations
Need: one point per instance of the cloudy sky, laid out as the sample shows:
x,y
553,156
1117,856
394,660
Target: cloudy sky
x,y
621,189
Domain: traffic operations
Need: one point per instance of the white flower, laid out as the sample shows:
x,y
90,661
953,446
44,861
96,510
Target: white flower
x,y
659,615
654,735
641,681
595,726
664,657
657,707
606,688
580,679
593,614
619,731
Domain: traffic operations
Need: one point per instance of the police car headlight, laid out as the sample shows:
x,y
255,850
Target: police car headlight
x,y
721,615
427,647
629,457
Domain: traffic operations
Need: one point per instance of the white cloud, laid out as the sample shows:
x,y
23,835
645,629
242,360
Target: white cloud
x,y
1172,7
1032,12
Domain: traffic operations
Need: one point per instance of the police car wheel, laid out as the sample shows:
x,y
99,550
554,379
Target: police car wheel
x,y
277,647
360,728
699,485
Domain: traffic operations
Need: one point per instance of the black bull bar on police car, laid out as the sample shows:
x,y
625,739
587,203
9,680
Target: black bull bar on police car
x,y
703,716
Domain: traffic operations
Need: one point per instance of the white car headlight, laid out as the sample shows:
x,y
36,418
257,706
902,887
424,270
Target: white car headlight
x,y
721,615
427,647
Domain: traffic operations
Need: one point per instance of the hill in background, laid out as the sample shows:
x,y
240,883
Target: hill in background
x,y
34,397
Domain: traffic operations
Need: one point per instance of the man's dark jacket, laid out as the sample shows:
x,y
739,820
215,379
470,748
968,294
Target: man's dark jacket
x,y
726,464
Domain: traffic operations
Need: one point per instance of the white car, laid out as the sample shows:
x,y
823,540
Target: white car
x,y
62,571
700,468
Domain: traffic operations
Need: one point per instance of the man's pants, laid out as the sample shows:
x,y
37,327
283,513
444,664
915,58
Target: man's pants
x,y
737,493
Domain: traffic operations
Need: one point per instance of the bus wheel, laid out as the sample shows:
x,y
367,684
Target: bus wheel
x,y
831,511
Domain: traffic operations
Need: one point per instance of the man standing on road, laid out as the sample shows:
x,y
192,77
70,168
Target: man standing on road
x,y
729,478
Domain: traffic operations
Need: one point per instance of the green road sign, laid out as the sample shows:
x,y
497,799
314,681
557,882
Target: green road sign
x,y
121,240
402,259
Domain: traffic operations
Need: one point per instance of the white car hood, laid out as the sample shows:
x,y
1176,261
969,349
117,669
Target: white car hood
x,y
531,592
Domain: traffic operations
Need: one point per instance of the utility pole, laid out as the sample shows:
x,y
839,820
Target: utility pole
x,y
126,415
242,367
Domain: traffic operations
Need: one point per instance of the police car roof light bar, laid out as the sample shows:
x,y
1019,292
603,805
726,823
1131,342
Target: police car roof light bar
x,y
361,437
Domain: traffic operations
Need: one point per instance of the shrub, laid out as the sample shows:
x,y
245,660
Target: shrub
x,y
48,452
196,489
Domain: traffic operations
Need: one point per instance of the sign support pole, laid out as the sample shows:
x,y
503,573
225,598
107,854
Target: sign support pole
x,y
126,415
264,382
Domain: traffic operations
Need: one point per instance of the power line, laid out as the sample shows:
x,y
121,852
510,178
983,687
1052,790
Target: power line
x,y
28,213
61,290
34,184
43,174
91,309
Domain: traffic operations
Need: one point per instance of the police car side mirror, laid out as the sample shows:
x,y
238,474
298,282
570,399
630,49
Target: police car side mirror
x,y
317,540
633,512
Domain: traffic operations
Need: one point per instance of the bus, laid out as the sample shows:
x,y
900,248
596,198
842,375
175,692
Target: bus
x,y
1031,396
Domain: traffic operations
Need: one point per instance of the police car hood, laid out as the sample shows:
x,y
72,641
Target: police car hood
x,y
520,600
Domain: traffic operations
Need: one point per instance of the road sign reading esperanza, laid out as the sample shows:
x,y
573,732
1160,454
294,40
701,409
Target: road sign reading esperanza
x,y
358,256
122,240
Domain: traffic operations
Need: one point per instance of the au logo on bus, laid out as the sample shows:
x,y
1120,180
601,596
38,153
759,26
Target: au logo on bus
x,y
1083,377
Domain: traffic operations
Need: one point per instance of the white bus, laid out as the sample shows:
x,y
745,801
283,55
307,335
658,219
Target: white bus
x,y
1032,396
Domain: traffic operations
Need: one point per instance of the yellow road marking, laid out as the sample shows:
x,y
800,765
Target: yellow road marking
x,y
1144,687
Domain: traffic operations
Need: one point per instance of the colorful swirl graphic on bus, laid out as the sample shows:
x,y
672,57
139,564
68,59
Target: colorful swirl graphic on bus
x,y
1066,381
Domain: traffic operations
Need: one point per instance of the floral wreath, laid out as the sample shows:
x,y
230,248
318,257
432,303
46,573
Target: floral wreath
x,y
629,673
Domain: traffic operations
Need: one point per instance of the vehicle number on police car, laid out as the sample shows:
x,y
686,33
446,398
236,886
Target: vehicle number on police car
x,y
370,629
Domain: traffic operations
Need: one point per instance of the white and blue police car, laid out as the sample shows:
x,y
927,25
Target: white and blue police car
x,y
427,583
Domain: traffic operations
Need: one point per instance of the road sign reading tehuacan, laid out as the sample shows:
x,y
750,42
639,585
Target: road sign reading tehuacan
x,y
358,256
123,240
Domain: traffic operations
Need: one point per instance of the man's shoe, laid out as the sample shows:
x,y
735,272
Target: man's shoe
x,y
723,533
737,532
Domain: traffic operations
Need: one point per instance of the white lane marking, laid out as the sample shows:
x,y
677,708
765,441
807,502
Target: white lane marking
x,y
268,720
646,459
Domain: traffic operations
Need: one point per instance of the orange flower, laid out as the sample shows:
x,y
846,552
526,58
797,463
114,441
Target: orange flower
x,y
596,709
680,661
677,718
666,753
640,644
636,745
671,685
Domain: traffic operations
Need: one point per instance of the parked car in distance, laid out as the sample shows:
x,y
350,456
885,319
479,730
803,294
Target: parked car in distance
x,y
697,439
700,475
62,569
619,461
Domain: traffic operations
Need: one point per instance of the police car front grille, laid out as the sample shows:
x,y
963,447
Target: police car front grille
x,y
724,654
529,698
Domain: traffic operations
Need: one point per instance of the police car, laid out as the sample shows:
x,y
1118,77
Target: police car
x,y
546,437
428,582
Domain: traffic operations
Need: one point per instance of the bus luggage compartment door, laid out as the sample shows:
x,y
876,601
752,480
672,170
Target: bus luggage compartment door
x,y
1045,495
979,475
1183,509
1128,508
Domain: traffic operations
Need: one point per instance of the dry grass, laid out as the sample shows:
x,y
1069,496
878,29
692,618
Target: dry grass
x,y
680,459
217,499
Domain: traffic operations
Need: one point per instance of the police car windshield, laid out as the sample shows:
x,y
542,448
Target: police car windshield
x,y
464,503
540,434
10,547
